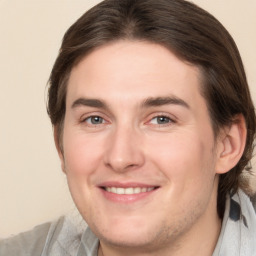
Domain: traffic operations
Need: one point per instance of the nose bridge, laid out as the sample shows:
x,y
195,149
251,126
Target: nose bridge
x,y
125,148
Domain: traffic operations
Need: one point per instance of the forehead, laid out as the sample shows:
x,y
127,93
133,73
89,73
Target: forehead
x,y
127,70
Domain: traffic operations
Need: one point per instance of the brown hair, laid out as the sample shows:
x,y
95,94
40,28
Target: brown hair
x,y
192,34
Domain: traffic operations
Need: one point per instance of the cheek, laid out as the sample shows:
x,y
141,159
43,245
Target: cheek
x,y
81,153
81,160
185,159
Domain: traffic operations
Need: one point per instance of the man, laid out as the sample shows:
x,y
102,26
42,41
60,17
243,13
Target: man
x,y
154,123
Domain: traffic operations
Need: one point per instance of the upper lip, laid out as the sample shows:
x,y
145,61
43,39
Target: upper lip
x,y
126,185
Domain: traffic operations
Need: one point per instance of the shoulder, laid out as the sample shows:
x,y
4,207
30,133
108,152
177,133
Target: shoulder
x,y
60,237
27,243
238,233
253,200
248,203
32,242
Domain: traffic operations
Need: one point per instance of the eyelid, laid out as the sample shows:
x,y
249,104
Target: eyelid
x,y
91,117
172,119
86,116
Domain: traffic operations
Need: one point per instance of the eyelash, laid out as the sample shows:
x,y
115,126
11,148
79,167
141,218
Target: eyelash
x,y
103,121
170,121
85,120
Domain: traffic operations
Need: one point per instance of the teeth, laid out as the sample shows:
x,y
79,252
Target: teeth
x,y
119,191
138,190
128,191
113,190
144,190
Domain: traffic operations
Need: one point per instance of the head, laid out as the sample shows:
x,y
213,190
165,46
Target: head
x,y
193,36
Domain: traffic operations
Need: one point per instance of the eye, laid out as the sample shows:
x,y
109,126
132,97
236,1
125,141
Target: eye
x,y
94,120
158,120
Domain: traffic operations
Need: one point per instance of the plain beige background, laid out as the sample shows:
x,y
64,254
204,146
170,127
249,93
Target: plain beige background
x,y
32,187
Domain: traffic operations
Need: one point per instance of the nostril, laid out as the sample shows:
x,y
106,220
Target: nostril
x,y
130,166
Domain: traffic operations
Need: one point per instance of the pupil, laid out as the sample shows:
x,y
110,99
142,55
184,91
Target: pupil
x,y
162,120
96,120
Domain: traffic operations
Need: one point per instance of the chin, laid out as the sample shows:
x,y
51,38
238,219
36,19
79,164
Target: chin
x,y
133,233
127,239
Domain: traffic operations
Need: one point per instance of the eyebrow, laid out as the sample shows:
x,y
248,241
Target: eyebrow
x,y
89,102
149,102
160,101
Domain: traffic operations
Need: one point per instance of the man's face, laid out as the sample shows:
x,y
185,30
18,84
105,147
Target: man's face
x,y
139,150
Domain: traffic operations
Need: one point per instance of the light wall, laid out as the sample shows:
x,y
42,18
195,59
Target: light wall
x,y
32,187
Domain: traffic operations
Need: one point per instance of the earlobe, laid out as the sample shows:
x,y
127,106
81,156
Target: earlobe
x,y
231,145
58,147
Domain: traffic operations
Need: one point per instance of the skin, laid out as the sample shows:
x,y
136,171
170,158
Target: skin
x,y
120,129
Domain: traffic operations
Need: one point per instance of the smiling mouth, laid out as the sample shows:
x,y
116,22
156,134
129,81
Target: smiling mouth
x,y
128,191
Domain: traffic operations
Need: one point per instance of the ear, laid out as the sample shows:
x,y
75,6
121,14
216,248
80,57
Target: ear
x,y
59,148
231,144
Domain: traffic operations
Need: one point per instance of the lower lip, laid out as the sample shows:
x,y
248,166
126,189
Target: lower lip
x,y
126,198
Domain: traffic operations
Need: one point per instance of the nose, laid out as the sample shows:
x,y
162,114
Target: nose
x,y
125,150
